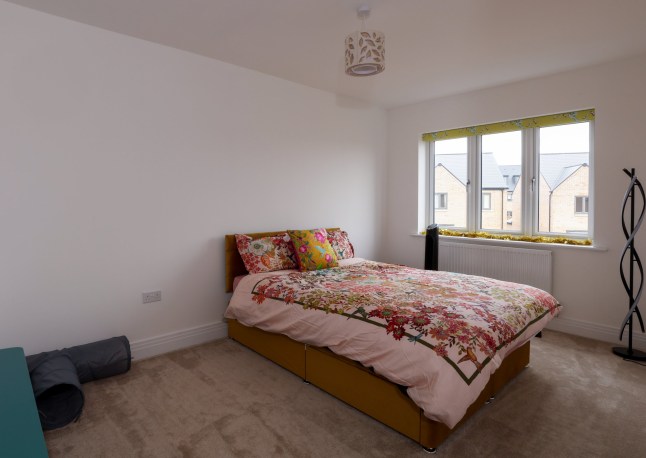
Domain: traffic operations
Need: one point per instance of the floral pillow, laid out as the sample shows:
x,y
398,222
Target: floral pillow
x,y
341,244
266,254
313,251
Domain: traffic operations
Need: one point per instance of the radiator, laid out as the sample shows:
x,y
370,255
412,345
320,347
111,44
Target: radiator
x,y
520,265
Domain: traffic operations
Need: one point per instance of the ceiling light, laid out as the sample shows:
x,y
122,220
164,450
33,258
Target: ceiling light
x,y
364,49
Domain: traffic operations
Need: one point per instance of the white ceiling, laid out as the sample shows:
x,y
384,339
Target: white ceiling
x,y
433,47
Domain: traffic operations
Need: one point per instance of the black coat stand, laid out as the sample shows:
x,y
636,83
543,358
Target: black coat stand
x,y
633,288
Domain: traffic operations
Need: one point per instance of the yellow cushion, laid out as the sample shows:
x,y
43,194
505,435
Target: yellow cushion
x,y
313,251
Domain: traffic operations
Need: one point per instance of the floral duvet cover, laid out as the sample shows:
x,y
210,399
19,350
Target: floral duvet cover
x,y
440,334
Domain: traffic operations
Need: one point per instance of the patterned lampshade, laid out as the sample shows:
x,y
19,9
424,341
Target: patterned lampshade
x,y
364,50
364,53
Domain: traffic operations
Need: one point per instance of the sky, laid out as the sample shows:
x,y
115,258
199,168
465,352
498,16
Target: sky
x,y
506,147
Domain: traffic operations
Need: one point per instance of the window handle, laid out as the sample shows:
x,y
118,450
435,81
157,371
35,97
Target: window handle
x,y
468,182
533,183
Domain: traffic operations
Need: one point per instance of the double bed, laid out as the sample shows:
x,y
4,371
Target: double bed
x,y
420,351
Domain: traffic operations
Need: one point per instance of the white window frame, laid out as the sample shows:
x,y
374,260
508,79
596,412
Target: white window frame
x,y
529,181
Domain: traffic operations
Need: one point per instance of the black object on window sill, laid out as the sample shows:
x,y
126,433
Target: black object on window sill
x,y
432,247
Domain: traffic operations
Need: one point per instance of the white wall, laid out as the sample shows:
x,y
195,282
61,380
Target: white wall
x,y
124,163
586,282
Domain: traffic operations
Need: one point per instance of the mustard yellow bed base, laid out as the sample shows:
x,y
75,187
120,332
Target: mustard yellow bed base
x,y
350,381
360,387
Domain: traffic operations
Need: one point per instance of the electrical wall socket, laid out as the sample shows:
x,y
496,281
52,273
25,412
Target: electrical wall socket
x,y
153,296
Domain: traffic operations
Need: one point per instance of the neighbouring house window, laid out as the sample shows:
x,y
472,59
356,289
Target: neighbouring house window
x,y
441,200
538,169
486,201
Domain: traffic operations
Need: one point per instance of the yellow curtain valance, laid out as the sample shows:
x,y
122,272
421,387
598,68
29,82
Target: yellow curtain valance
x,y
509,126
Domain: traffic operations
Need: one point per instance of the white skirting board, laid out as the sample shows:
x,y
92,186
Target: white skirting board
x,y
153,346
599,332
165,343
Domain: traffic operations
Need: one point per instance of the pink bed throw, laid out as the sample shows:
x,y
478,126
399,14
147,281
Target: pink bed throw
x,y
440,334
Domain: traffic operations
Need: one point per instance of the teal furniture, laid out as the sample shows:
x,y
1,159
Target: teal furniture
x,y
20,431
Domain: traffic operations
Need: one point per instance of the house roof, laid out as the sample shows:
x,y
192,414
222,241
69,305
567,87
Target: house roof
x,y
457,165
555,169
491,176
508,174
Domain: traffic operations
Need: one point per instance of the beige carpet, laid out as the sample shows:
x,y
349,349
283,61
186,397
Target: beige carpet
x,y
220,399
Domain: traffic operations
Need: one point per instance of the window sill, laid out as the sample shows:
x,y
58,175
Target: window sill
x,y
515,243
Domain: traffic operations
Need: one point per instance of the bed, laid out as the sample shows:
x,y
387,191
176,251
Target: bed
x,y
417,405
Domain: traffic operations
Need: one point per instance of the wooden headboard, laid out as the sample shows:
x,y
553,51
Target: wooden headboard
x,y
233,265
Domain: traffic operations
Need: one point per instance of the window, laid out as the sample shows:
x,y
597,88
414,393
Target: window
x,y
500,164
441,200
581,205
537,169
450,178
486,201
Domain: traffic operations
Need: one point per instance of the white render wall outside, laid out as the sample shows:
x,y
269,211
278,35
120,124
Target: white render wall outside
x,y
124,163
585,281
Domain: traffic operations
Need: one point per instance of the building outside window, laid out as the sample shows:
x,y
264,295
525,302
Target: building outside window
x,y
552,153
450,178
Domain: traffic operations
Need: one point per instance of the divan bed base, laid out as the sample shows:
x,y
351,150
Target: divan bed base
x,y
361,388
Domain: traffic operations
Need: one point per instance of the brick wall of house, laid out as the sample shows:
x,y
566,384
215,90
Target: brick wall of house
x,y
515,206
494,219
556,209
564,216
456,211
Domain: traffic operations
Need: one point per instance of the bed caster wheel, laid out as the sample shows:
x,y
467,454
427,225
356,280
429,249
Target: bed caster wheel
x,y
430,450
